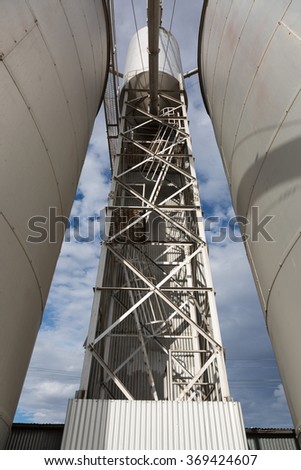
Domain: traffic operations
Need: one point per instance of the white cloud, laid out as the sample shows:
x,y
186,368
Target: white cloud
x,y
280,398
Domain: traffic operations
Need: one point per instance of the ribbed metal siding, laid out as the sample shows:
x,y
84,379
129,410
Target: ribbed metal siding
x,y
272,439
151,425
35,437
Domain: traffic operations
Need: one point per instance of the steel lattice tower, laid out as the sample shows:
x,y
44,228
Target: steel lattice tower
x,y
154,334
154,330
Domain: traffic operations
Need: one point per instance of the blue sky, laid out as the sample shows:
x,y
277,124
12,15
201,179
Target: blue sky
x,y
55,368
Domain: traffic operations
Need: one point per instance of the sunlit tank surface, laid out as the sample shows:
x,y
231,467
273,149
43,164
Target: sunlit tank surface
x,y
136,73
53,70
250,69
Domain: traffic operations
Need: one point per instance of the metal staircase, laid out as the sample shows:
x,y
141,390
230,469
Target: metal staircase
x,y
152,335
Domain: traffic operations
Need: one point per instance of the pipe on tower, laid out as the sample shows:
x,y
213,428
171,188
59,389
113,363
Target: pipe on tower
x,y
154,22
136,70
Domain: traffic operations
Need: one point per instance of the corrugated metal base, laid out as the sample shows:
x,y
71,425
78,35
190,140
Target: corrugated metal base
x,y
151,425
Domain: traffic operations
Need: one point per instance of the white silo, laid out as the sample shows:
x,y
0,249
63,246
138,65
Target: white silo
x,y
136,73
53,70
250,68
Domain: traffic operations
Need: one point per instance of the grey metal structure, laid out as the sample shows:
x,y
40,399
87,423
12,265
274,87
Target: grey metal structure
x,y
272,439
154,333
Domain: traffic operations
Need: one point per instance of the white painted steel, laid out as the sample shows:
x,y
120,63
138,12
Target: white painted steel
x,y
153,425
136,72
250,68
53,70
127,351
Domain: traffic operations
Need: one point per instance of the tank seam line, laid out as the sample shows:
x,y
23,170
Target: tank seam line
x,y
38,129
30,262
251,86
267,153
92,50
208,44
80,65
217,57
289,29
228,78
16,44
284,259
64,93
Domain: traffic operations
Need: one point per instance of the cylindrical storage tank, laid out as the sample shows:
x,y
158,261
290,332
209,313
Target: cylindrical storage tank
x,y
53,70
250,69
136,72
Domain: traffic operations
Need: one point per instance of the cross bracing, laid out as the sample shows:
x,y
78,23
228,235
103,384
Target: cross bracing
x,y
154,331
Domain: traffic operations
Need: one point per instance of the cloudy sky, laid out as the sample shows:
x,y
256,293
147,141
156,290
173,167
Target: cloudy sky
x,y
55,369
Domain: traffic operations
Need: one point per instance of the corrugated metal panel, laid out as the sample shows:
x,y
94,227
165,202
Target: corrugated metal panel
x,y
272,439
152,425
35,437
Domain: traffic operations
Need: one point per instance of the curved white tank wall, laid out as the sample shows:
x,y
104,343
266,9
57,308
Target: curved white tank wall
x,y
250,69
137,64
53,70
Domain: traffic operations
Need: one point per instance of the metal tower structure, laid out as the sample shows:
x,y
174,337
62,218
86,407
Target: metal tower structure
x,y
154,338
